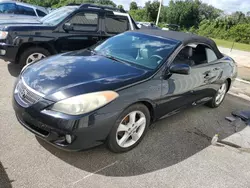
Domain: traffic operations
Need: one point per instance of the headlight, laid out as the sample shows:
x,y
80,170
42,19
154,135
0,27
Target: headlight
x,y
3,34
85,103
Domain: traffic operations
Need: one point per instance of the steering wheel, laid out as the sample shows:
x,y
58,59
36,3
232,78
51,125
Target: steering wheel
x,y
157,57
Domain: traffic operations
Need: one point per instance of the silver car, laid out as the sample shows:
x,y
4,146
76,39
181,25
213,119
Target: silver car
x,y
12,11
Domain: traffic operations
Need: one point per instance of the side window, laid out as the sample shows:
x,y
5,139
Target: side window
x,y
116,24
40,13
85,22
8,8
185,56
199,55
211,56
26,10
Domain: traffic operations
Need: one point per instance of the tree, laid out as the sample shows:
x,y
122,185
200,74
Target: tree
x,y
241,33
239,17
133,6
208,12
152,10
184,13
45,3
59,3
139,14
120,6
106,2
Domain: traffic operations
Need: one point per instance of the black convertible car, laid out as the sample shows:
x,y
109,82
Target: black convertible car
x,y
112,92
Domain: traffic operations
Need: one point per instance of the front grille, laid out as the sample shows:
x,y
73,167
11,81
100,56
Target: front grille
x,y
26,95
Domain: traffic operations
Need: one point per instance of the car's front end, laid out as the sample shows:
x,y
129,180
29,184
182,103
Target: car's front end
x,y
69,132
69,101
8,50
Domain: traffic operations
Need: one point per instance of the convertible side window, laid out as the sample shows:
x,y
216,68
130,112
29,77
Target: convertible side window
x,y
211,56
200,55
185,56
195,54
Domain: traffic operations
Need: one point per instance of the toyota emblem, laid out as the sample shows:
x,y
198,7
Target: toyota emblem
x,y
24,93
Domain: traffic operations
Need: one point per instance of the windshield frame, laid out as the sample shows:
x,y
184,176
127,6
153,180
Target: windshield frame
x,y
178,43
73,8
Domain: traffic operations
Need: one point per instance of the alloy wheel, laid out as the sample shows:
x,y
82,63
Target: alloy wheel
x,y
131,129
34,57
221,94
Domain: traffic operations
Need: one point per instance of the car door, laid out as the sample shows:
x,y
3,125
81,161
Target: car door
x,y
209,71
178,89
85,31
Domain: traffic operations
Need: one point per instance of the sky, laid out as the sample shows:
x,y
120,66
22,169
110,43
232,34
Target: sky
x,y
228,6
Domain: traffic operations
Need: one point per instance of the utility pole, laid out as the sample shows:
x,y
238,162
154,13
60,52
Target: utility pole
x,y
159,12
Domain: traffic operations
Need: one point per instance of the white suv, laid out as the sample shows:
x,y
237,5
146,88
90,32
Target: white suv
x,y
12,10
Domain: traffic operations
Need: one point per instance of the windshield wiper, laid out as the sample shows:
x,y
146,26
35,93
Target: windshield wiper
x,y
106,55
113,58
92,50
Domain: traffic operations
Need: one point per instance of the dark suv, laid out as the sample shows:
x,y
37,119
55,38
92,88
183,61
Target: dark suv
x,y
69,28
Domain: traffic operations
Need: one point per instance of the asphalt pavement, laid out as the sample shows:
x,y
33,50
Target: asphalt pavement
x,y
176,152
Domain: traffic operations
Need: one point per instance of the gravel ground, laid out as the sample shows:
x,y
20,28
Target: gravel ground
x,y
176,152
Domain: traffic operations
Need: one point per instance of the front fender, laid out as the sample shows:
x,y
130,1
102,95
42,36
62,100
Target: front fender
x,y
19,40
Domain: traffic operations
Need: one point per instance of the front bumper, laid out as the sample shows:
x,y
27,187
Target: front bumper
x,y
8,52
87,131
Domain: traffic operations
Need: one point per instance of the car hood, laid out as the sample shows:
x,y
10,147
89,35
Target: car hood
x,y
80,72
15,21
15,26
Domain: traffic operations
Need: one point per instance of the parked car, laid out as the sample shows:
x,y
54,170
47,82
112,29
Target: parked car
x,y
146,25
65,29
171,27
112,93
13,10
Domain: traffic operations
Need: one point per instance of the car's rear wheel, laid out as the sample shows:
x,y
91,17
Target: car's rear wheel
x,y
220,96
129,129
32,55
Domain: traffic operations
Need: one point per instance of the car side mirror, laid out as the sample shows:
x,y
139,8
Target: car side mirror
x,y
68,27
180,69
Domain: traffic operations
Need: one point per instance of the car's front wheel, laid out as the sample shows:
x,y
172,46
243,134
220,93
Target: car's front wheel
x,y
220,96
129,129
32,55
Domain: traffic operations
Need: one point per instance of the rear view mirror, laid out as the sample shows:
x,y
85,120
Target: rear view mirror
x,y
180,69
68,27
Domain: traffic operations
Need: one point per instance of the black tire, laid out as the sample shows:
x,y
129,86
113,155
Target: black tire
x,y
212,103
111,141
23,57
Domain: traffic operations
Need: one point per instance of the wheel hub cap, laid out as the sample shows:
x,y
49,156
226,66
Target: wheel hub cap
x,y
221,94
131,129
34,57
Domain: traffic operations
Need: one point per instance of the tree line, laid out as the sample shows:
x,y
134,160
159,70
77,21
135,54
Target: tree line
x,y
191,15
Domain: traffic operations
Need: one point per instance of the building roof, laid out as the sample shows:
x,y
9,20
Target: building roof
x,y
184,38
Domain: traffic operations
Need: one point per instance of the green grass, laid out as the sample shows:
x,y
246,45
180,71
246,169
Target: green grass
x,y
228,44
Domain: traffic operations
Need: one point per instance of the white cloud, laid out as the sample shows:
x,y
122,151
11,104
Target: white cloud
x,y
226,5
230,5
126,3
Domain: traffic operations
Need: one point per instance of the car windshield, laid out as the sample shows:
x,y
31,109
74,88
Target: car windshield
x,y
56,16
143,50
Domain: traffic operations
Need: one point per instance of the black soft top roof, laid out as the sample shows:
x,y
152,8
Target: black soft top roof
x,y
184,38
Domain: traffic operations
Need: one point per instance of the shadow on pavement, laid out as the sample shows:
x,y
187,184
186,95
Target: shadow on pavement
x,y
14,69
168,142
5,182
